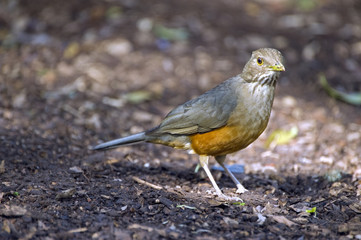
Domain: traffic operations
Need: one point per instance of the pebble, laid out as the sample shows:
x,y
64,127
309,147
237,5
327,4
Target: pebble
x,y
289,101
145,24
75,169
327,160
353,136
119,47
309,51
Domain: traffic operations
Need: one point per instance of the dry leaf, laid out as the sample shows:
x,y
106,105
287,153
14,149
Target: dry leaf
x,y
12,211
65,194
283,219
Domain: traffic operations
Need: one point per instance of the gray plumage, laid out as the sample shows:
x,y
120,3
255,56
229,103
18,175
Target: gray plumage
x,y
135,138
242,105
199,115
205,113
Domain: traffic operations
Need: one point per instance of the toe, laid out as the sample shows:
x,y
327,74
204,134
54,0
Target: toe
x,y
241,189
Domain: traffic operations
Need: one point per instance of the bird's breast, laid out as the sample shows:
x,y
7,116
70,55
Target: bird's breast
x,y
247,121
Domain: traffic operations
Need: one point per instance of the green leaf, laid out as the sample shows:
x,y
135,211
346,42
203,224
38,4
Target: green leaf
x,y
114,12
312,210
239,203
351,98
137,97
279,137
306,5
173,34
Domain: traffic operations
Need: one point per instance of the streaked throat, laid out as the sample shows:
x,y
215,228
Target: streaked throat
x,y
269,78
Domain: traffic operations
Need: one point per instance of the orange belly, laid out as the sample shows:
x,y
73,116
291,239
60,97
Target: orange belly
x,y
224,140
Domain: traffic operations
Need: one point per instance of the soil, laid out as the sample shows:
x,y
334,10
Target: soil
x,y
77,73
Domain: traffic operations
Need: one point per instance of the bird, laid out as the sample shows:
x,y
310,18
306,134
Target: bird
x,y
221,121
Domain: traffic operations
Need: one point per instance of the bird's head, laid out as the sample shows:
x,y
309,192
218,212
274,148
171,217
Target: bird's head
x,y
264,66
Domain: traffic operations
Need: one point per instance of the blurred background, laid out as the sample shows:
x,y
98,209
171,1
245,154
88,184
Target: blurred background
x,y
89,70
76,73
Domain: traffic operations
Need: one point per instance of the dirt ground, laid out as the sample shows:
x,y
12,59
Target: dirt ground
x,y
77,73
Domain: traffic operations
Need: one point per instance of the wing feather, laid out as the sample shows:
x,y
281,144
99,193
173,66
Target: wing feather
x,y
202,114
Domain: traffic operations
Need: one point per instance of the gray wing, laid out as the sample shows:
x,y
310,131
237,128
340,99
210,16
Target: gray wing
x,y
209,111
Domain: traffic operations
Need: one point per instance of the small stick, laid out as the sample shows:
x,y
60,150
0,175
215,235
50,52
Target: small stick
x,y
138,180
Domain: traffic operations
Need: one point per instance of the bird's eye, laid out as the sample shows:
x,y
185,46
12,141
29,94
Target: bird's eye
x,y
259,61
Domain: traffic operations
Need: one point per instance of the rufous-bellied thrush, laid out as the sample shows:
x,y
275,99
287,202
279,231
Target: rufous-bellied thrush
x,y
223,120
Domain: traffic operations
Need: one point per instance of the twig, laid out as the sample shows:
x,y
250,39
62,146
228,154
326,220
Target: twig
x,y
138,180
72,111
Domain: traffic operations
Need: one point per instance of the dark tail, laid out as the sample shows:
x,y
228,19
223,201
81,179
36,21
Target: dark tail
x,y
139,137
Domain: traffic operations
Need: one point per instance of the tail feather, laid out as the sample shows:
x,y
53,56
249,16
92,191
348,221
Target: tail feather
x,y
139,137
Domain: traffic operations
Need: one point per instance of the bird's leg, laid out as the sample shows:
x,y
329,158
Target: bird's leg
x,y
203,160
240,188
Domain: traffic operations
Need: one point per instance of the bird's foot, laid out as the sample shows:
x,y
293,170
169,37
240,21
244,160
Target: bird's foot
x,y
241,189
227,198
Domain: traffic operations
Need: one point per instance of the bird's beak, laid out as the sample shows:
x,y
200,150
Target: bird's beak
x,y
278,68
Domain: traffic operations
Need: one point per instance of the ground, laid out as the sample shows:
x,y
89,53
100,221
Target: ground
x,y
76,73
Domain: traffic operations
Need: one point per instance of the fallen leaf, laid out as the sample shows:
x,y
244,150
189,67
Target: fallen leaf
x,y
215,203
114,12
279,137
173,34
137,97
283,219
306,5
239,203
71,50
65,194
312,210
12,211
356,207
111,161
6,226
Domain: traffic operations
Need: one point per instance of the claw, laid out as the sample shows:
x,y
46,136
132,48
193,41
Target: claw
x,y
229,198
241,189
